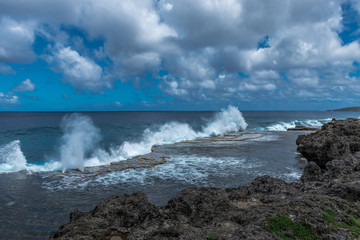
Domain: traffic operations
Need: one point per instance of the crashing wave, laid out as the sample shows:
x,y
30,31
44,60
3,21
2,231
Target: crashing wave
x,y
81,138
284,126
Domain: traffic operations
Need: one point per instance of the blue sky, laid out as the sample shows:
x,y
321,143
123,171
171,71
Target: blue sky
x,y
179,55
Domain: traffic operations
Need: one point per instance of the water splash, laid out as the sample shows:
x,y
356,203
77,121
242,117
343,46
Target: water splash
x,y
12,158
227,120
80,136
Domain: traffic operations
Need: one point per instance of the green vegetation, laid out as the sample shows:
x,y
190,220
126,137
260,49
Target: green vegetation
x,y
354,227
287,229
211,237
329,217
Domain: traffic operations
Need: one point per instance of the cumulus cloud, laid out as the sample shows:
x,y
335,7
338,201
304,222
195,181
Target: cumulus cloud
x,y
16,41
25,86
8,98
81,72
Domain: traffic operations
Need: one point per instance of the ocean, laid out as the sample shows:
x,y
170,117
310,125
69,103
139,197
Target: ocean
x,y
54,162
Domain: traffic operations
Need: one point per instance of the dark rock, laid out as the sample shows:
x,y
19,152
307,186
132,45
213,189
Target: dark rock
x,y
349,191
116,215
340,169
335,140
302,128
210,213
76,214
312,172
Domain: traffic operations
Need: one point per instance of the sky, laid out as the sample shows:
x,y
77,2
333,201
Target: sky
x,y
110,55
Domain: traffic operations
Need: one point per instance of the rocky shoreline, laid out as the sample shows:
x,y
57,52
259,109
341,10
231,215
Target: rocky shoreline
x,y
324,205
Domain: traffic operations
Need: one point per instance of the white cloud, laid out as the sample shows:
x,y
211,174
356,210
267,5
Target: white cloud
x,y
25,86
253,87
172,87
5,69
304,77
8,98
81,72
16,41
209,84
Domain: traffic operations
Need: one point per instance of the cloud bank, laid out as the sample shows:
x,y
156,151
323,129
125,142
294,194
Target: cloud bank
x,y
205,50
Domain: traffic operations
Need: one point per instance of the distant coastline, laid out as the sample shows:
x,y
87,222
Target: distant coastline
x,y
347,109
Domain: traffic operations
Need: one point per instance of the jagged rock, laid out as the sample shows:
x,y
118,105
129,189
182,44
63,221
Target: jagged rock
x,y
312,173
116,215
335,140
272,207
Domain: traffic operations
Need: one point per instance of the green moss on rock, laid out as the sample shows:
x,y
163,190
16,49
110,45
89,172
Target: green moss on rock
x,y
287,229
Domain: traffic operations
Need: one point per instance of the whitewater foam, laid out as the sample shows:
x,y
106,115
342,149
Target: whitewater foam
x,y
227,120
284,126
189,169
12,159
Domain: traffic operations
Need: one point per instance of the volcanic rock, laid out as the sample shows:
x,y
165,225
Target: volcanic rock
x,y
336,140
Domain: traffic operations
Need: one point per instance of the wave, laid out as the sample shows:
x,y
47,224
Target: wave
x,y
284,126
12,159
78,143
228,120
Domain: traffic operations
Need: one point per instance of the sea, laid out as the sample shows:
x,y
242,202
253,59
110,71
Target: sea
x,y
52,163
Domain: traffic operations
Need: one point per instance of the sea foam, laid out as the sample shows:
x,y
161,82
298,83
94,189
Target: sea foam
x,y
227,120
284,126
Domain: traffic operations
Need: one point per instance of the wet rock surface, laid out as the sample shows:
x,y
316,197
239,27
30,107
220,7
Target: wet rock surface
x,y
302,128
324,205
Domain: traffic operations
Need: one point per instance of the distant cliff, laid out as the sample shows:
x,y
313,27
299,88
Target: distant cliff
x,y
348,109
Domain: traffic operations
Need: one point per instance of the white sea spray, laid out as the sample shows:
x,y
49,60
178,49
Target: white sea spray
x,y
80,137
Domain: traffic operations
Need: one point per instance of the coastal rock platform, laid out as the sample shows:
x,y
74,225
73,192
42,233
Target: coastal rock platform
x,y
324,205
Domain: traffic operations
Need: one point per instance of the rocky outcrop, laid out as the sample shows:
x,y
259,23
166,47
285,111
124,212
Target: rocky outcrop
x,y
334,159
336,140
324,205
268,208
